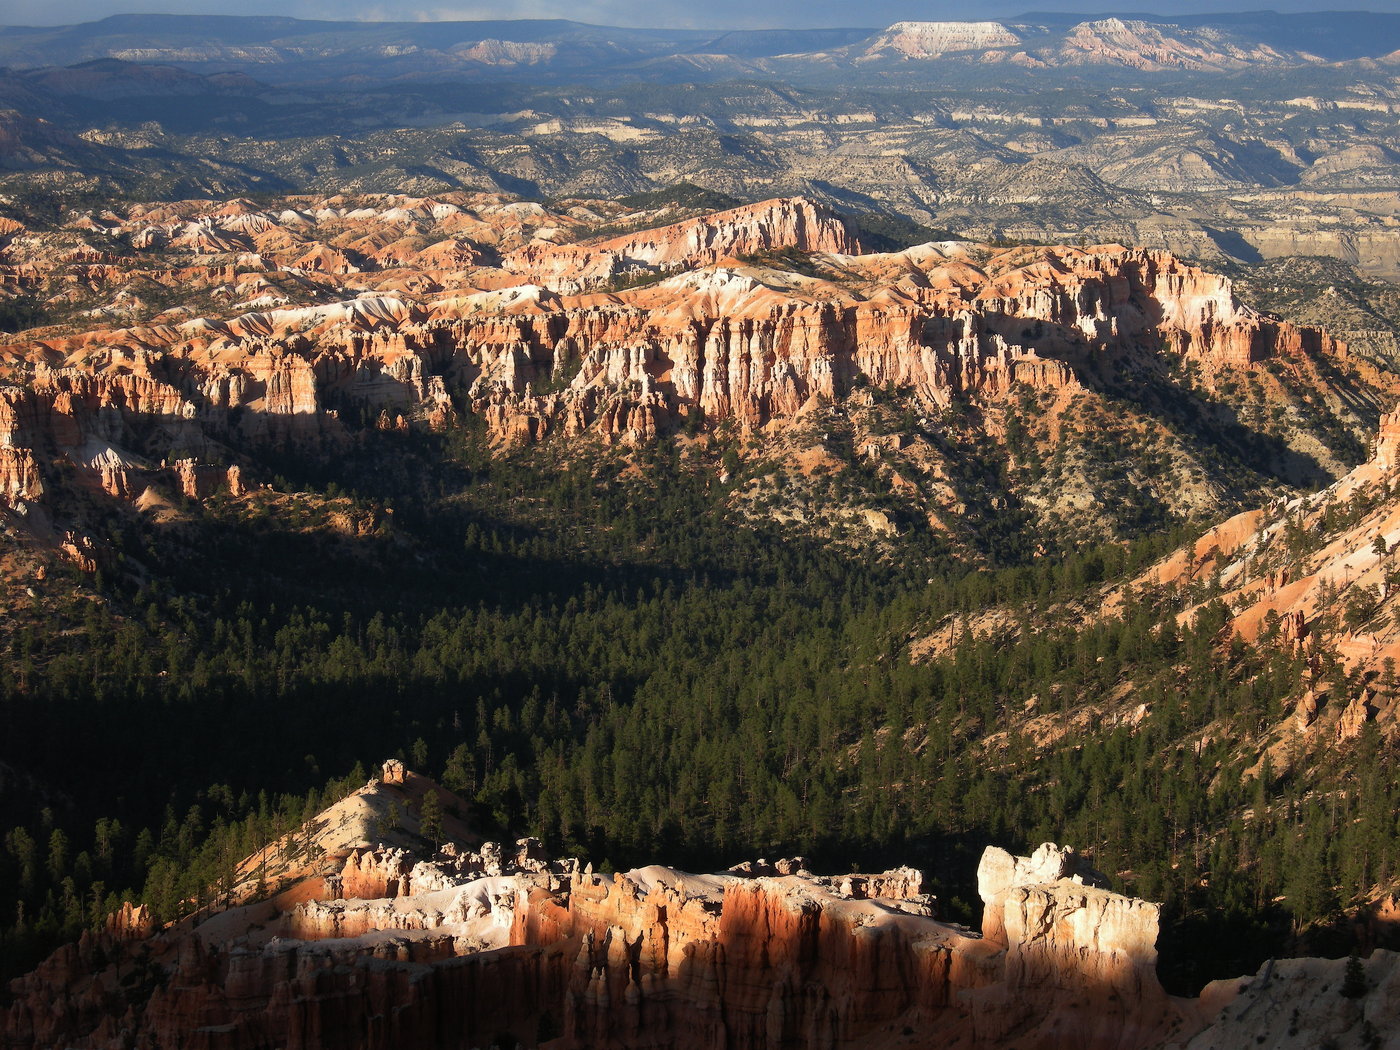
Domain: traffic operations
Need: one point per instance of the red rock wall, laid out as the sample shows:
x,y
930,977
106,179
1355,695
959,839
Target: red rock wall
x,y
786,223
295,997
773,962
777,967
1387,453
625,367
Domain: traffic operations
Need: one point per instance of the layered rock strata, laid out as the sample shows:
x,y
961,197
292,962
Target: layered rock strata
x,y
727,339
651,958
793,222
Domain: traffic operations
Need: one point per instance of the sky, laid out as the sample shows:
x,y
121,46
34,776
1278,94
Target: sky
x,y
669,13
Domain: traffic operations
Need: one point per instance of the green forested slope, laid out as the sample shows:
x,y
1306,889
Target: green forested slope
x,y
607,660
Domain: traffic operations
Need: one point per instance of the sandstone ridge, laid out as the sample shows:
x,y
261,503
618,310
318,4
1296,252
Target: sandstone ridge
x,y
1317,576
787,223
321,319
459,948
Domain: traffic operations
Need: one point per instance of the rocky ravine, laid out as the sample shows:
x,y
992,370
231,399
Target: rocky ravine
x,y
365,945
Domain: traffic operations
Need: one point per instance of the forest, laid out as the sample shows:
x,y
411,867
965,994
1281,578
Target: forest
x,y
605,658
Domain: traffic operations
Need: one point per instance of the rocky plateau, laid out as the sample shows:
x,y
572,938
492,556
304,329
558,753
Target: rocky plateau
x,y
1233,138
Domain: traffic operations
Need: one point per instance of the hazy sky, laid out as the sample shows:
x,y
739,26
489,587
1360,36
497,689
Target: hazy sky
x,y
713,13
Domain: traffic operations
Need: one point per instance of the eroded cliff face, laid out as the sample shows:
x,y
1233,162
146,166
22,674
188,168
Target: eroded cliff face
x,y
790,962
791,222
418,338
971,380
670,959
1068,939
472,946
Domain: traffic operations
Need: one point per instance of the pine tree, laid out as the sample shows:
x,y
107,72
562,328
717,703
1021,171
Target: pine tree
x,y
1354,984
430,818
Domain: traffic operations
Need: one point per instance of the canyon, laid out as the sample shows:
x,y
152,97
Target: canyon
x,y
856,446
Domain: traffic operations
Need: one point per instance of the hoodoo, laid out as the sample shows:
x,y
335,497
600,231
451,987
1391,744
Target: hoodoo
x,y
373,946
540,345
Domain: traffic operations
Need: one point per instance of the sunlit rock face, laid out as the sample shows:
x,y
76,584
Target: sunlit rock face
x,y
483,313
473,943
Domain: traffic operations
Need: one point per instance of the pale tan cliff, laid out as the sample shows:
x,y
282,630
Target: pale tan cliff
x,y
471,945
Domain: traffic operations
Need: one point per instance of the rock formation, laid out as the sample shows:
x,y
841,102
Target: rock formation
x,y
464,948
999,873
933,39
788,223
422,333
1149,46
1297,1004
1046,913
1387,450
1354,717
1155,46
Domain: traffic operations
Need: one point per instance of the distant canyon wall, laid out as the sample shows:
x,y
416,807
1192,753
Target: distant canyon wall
x,y
728,339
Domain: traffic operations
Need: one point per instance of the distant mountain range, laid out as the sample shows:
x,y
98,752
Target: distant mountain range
x,y
1224,138
292,50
